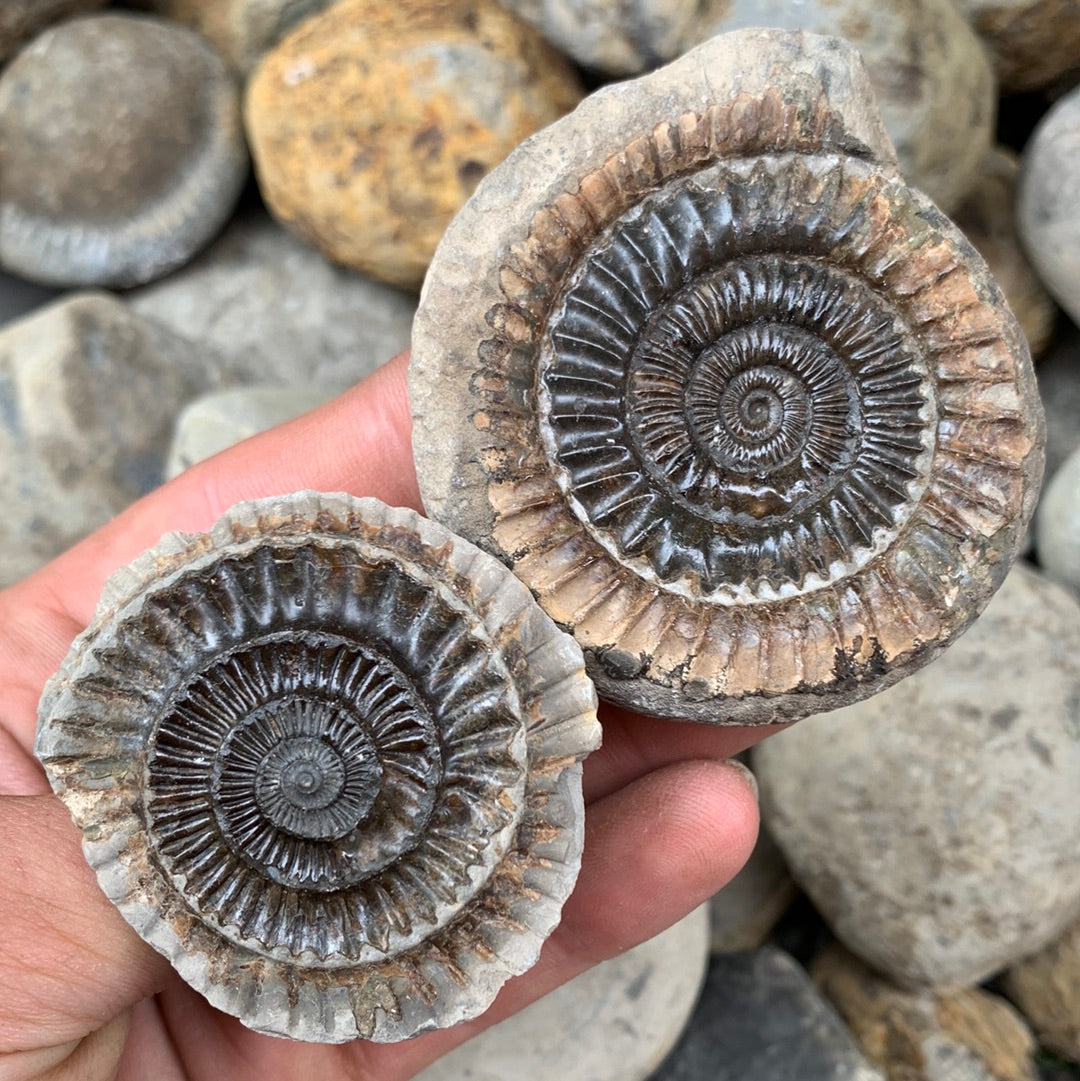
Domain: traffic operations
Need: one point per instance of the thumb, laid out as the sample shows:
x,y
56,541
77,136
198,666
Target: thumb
x,y
70,963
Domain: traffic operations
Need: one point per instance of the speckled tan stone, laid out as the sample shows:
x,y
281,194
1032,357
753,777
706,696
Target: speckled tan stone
x,y
372,123
1033,41
988,218
241,30
964,1036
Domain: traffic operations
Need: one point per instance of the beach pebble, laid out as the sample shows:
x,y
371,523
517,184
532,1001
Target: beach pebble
x,y
930,72
1049,201
122,151
616,39
21,19
215,421
743,913
1057,524
614,1022
1033,41
1046,987
988,218
760,1018
934,825
266,308
88,393
372,177
965,1036
241,30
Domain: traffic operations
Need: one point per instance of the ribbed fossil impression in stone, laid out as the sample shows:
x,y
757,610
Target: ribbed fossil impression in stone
x,y
745,412
326,758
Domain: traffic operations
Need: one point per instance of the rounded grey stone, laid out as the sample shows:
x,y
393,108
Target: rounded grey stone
x,y
1049,200
614,38
614,1022
88,393
1058,374
935,825
1057,524
269,309
123,151
931,74
215,421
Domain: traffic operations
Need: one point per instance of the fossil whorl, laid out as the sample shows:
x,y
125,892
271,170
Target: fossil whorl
x,y
326,759
745,412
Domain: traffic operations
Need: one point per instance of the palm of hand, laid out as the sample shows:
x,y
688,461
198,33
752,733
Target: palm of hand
x,y
669,822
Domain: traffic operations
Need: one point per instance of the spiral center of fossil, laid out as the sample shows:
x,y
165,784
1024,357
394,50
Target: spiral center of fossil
x,y
731,424
308,787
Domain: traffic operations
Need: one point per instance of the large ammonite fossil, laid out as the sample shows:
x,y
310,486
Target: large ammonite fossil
x,y
744,411
326,758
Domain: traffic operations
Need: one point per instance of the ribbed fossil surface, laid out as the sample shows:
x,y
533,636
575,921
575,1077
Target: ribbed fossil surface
x,y
325,759
745,412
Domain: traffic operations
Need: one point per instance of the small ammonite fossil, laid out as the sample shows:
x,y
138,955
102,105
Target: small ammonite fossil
x,y
744,410
326,758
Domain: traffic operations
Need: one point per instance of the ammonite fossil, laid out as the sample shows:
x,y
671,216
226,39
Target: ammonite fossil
x,y
744,411
326,758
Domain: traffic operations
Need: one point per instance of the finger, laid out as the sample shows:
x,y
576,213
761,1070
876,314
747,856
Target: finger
x,y
635,745
69,963
358,443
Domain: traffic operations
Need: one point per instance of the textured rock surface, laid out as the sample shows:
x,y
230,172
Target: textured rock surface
x,y
364,724
241,30
964,1036
743,913
21,19
761,1019
930,72
122,148
614,1022
216,421
988,218
1033,41
370,177
1048,201
1046,987
1057,524
935,825
745,411
269,309
88,393
615,38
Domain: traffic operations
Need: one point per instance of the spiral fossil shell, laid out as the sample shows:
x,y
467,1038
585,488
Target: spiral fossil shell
x,y
326,758
744,411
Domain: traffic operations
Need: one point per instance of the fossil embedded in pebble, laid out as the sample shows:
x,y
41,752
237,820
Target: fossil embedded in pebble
x,y
744,410
326,758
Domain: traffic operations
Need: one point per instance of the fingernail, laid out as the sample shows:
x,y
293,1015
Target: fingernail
x,y
747,775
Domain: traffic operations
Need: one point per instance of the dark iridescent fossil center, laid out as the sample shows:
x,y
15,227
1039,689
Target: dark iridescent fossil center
x,y
731,423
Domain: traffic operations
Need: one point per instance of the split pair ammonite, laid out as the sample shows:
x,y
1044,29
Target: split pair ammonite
x,y
743,412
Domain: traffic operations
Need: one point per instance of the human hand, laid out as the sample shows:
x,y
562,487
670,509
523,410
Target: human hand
x,y
668,822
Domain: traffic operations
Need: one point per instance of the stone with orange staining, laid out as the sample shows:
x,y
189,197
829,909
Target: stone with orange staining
x,y
372,175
